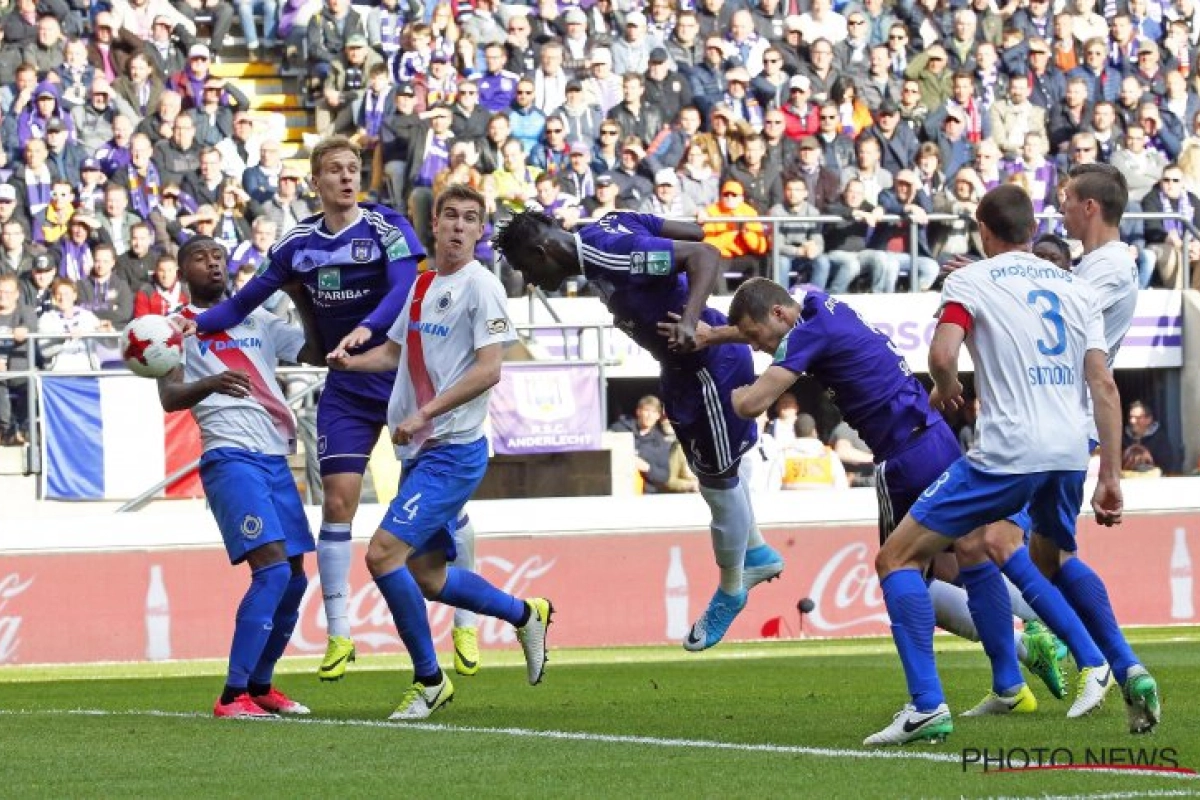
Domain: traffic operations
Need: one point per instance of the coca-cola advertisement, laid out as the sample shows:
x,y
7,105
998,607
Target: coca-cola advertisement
x,y
613,589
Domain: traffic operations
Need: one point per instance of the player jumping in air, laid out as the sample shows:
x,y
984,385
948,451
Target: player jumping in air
x,y
448,343
228,381
357,263
646,268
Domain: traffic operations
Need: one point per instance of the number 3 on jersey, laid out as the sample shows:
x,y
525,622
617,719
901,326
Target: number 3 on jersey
x,y
1052,313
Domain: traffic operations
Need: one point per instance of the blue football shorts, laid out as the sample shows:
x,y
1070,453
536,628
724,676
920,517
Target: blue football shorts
x,y
255,501
964,498
434,488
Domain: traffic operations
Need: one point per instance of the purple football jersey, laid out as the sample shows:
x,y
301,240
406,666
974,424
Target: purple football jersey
x,y
360,276
629,262
633,267
871,382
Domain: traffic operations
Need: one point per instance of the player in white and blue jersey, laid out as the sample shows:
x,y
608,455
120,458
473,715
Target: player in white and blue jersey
x,y
1095,199
647,269
1036,336
448,343
356,263
227,379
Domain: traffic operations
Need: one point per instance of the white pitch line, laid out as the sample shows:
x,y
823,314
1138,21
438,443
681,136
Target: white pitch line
x,y
1108,795
572,736
582,736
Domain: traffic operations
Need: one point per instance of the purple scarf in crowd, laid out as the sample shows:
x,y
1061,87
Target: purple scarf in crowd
x,y
1185,210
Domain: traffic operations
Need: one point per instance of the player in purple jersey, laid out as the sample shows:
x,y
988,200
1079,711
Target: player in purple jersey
x,y
646,268
872,383
356,263
879,396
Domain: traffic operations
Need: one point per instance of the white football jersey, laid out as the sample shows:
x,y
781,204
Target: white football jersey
x,y
1112,273
446,319
1033,325
262,422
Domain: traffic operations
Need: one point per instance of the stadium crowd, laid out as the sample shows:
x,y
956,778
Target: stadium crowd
x,y
733,109
117,141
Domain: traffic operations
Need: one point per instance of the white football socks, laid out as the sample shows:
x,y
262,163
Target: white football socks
x,y
755,539
950,611
1019,607
464,542
333,564
730,528
952,615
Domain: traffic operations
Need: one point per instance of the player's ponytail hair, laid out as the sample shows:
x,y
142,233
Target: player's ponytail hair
x,y
333,144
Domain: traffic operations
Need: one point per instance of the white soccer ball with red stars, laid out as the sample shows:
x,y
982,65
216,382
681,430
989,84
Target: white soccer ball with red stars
x,y
151,346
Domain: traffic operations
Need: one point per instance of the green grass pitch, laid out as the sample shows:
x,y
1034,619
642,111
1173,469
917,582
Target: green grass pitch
x,y
779,719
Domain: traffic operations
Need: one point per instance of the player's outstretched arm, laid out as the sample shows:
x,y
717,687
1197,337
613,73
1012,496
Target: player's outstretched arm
x,y
384,358
681,231
403,256
176,395
750,401
1107,501
943,366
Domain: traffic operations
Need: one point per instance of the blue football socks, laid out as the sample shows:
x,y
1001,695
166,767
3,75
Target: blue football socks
x,y
1053,608
404,598
991,611
1086,593
911,611
465,589
254,623
286,616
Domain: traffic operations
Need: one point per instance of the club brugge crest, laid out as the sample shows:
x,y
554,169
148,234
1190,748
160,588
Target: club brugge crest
x,y
252,527
360,250
544,395
443,302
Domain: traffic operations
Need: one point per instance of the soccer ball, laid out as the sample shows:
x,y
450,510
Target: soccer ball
x,y
151,346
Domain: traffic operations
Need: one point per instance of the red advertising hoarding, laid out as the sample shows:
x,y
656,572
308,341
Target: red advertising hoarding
x,y
629,589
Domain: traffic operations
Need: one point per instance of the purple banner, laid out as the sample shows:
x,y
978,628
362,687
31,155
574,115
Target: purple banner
x,y
538,409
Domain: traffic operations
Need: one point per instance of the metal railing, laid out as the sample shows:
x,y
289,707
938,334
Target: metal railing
x,y
780,274
300,399
573,351
33,374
